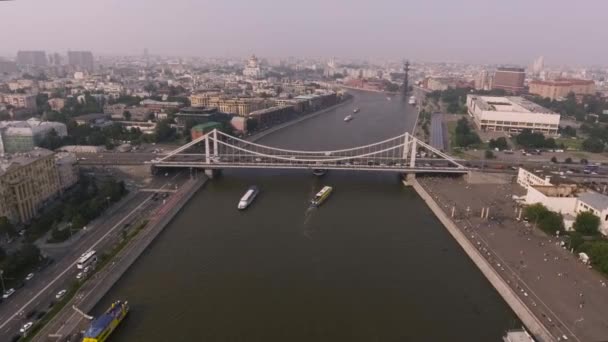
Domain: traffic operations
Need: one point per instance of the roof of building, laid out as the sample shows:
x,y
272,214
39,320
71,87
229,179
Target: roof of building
x,y
563,82
594,200
206,125
31,126
91,117
514,104
197,110
555,178
511,69
270,110
10,161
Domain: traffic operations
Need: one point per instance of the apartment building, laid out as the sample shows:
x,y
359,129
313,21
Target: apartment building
x,y
560,88
27,181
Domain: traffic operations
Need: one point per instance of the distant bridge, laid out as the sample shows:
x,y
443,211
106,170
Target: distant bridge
x,y
217,150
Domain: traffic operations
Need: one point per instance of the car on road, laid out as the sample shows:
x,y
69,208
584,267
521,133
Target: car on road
x,y
26,327
8,293
80,275
60,294
29,276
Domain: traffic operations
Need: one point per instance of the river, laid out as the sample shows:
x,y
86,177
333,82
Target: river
x,y
371,264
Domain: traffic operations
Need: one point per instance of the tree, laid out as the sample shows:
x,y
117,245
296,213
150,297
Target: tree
x,y
453,108
51,141
551,223
584,161
127,115
598,252
554,160
567,131
464,135
548,221
78,221
534,140
6,227
500,143
568,160
164,131
594,145
576,240
535,212
489,154
586,223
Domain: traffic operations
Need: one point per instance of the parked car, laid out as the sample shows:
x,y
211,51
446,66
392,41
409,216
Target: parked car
x,y
60,294
26,327
29,276
8,293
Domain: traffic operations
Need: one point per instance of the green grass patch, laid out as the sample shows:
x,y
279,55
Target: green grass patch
x,y
452,133
571,144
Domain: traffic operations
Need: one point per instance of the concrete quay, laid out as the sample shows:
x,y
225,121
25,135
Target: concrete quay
x,y
567,298
506,292
67,323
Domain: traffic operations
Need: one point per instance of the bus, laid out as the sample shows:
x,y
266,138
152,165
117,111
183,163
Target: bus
x,y
86,259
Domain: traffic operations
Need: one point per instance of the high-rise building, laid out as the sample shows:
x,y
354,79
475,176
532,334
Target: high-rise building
x,y
82,60
483,81
55,59
510,80
7,66
32,58
538,65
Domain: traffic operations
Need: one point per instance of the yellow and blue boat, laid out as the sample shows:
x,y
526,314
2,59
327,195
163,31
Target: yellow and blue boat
x,y
104,325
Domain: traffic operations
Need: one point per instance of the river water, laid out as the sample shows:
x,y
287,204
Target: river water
x,y
371,264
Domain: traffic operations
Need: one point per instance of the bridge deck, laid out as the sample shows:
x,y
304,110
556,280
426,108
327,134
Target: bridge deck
x,y
385,168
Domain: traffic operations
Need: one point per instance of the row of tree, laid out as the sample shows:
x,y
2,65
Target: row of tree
x,y
84,202
530,139
589,104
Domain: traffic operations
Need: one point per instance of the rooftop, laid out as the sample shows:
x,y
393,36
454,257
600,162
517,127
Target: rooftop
x,y
563,82
10,161
594,200
509,104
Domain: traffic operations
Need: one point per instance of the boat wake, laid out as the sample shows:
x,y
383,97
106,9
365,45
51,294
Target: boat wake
x,y
306,229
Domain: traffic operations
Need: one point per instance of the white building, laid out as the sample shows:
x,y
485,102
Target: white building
x,y
526,178
597,204
511,114
252,69
567,198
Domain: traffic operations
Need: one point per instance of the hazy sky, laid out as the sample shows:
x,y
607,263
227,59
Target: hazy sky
x,y
493,31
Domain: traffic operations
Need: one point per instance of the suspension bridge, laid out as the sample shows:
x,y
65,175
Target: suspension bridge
x,y
217,150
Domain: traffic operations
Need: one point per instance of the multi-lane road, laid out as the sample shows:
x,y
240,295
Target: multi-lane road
x,y
38,295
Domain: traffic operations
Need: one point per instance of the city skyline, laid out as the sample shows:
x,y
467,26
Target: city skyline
x,y
509,33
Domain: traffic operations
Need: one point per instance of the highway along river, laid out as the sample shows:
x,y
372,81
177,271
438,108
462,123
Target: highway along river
x,y
371,264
